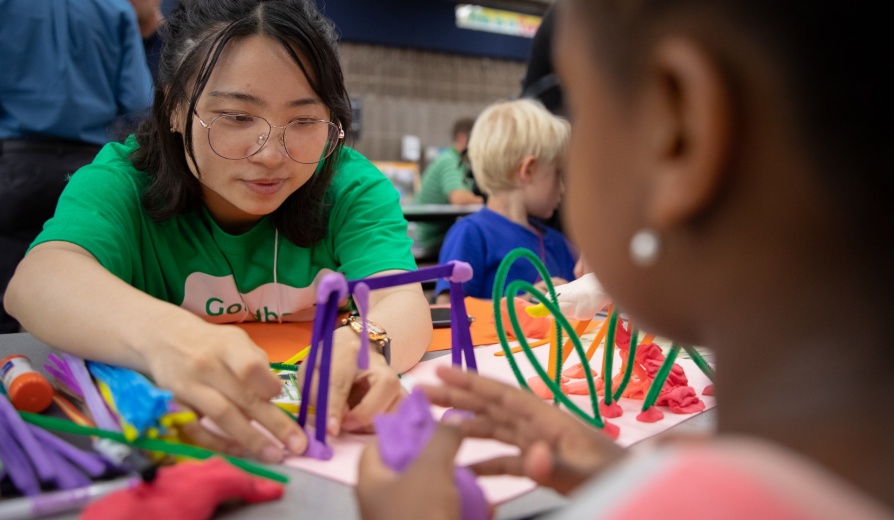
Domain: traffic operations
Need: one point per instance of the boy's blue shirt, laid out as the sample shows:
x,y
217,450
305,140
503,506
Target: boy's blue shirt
x,y
486,237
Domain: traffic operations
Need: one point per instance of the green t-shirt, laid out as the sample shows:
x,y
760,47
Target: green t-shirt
x,y
190,261
445,174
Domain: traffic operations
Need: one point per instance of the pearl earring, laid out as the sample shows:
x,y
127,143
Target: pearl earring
x,y
644,247
173,130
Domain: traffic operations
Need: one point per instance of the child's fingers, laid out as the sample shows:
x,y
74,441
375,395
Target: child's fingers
x,y
441,449
371,469
450,397
507,465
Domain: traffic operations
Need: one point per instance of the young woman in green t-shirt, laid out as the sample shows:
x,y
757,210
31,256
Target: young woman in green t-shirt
x,y
233,198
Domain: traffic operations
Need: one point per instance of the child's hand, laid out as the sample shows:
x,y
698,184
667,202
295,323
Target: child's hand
x,y
557,450
425,490
541,285
220,373
582,298
356,396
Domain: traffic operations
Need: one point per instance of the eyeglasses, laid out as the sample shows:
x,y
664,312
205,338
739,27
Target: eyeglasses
x,y
237,136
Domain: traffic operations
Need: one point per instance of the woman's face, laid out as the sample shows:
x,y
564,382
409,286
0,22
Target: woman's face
x,y
253,76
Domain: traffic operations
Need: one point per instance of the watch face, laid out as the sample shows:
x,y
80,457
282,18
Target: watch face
x,y
376,332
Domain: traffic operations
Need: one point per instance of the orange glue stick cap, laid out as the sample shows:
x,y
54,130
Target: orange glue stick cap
x,y
28,390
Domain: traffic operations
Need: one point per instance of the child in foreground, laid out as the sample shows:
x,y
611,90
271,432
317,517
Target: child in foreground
x,y
729,183
517,149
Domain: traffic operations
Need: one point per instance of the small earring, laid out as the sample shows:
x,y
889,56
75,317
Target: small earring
x,y
644,247
173,130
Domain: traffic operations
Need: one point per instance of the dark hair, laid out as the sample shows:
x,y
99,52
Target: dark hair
x,y
194,37
463,126
540,81
830,58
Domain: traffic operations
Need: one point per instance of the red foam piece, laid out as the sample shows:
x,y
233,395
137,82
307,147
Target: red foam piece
x,y
709,390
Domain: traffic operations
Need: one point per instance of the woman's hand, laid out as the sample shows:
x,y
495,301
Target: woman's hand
x,y
425,490
557,449
220,373
355,395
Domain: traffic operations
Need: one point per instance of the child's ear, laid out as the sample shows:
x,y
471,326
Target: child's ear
x,y
687,131
526,169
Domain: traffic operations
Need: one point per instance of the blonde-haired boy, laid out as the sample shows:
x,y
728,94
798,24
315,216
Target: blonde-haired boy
x,y
517,151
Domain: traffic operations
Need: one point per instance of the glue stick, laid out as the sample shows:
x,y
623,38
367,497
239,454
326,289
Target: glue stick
x,y
28,390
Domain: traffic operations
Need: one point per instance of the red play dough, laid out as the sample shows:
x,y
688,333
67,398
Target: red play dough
x,y
612,430
709,390
539,387
579,387
610,411
576,371
651,415
681,399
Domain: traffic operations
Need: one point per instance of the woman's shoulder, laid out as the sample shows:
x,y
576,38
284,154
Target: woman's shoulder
x,y
353,168
113,167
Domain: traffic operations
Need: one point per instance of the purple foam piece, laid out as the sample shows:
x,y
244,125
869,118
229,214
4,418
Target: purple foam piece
x,y
89,463
17,427
404,434
462,272
361,299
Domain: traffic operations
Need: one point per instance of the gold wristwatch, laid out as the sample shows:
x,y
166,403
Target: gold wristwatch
x,y
377,335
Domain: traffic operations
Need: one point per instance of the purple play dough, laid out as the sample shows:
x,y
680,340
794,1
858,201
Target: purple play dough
x,y
402,437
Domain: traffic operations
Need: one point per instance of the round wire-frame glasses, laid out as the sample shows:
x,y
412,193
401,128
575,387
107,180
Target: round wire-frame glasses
x,y
238,136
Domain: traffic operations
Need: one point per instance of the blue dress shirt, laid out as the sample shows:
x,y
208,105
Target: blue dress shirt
x,y
70,68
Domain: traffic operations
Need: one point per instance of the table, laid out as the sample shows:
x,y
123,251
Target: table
x,y
309,496
436,212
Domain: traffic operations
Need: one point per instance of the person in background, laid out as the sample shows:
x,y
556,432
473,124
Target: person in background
x,y
517,150
540,81
230,203
444,181
82,69
150,17
729,181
